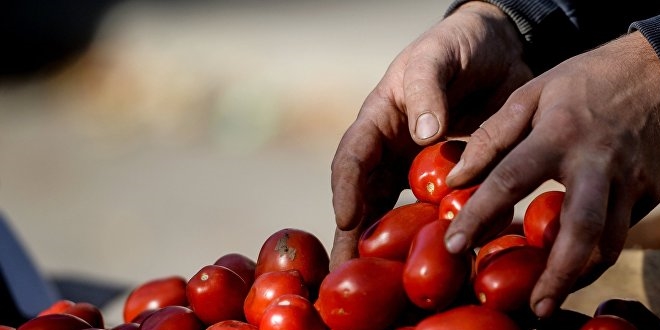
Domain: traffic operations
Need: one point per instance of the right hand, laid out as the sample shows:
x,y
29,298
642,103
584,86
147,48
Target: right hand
x,y
447,82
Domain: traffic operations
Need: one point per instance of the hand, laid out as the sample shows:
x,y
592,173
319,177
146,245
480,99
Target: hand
x,y
471,60
593,124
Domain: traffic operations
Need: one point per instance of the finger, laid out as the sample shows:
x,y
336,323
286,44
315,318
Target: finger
x,y
495,137
582,221
344,246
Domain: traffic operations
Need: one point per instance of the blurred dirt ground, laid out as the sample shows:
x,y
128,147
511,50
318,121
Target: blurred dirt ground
x,y
188,130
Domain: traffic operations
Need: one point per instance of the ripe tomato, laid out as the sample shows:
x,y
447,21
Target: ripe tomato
x,y
294,249
127,326
433,277
5,327
291,312
88,312
155,294
541,221
242,265
172,318
608,322
362,294
506,282
232,324
453,202
498,244
633,311
391,235
57,307
468,317
216,293
55,322
267,288
430,167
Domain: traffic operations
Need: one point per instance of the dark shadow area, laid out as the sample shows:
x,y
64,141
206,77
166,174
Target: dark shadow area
x,y
85,289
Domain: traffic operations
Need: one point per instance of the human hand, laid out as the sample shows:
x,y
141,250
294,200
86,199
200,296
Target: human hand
x,y
591,123
471,61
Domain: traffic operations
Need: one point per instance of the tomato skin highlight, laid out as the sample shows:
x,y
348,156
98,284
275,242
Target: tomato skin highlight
x,y
240,264
453,202
468,317
430,167
172,318
291,312
507,281
267,288
541,219
433,277
232,324
55,322
155,294
391,235
496,245
216,293
362,294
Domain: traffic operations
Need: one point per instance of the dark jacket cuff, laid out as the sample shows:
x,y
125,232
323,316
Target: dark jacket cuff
x,y
650,29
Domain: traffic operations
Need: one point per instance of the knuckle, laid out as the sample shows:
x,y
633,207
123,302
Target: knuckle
x,y
506,178
588,221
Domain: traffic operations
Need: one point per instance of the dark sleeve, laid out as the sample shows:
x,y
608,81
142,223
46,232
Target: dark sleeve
x,y
554,30
650,29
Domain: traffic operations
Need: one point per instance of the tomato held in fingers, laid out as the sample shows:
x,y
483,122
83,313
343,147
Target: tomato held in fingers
x,y
55,322
506,282
453,202
216,293
498,244
391,235
468,317
242,265
541,220
608,322
291,312
155,294
430,167
267,288
433,277
362,294
172,318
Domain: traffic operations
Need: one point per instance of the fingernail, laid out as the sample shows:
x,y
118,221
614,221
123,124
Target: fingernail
x,y
544,308
456,169
427,126
456,243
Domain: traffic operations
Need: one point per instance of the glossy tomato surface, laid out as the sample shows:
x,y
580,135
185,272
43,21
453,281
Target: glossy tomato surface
x,y
608,322
391,235
241,264
216,293
88,312
172,318
292,248
468,317
362,294
155,294
430,167
541,220
127,326
291,312
232,324
57,307
433,277
498,244
506,282
55,322
267,288
453,202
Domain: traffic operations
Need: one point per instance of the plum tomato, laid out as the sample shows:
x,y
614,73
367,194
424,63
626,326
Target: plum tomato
x,y
291,312
232,324
391,235
127,326
468,317
57,307
6,327
430,167
433,277
498,244
155,294
88,312
631,310
362,294
55,322
608,322
541,219
172,318
505,283
267,288
453,202
292,248
216,293
242,265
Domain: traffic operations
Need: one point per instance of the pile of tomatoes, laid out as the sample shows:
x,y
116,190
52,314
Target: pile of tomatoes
x,y
404,278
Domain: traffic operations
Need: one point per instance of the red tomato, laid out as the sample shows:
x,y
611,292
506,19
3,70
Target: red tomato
x,y
430,168
291,312
391,235
468,317
55,322
630,310
294,249
432,276
362,294
127,326
267,288
57,307
506,282
232,324
155,294
216,293
242,265
172,318
88,312
608,322
498,244
453,202
4,327
541,221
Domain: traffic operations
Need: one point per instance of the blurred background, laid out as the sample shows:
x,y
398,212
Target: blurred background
x,y
140,139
